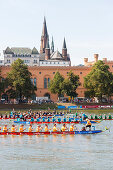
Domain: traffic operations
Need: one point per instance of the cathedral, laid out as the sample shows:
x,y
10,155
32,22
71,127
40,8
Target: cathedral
x,y
46,57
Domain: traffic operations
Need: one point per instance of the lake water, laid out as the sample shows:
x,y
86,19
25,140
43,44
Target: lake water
x,y
49,152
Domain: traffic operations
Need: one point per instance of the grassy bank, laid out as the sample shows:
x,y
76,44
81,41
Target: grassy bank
x,y
10,107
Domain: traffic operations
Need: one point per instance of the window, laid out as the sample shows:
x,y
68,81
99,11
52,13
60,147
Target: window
x,y
53,72
48,81
58,62
80,72
8,61
34,81
31,80
45,83
39,72
0,61
26,61
35,61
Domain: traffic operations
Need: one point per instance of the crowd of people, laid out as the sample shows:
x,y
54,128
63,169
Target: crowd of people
x,y
30,114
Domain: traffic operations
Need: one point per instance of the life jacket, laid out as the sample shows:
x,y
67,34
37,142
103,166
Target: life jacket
x,y
4,129
63,129
54,129
46,129
21,129
30,129
88,122
13,129
71,128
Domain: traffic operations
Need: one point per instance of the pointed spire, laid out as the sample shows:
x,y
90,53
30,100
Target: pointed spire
x,y
64,43
47,44
52,45
44,30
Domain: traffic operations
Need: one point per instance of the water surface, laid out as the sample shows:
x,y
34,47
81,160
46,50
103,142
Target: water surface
x,y
77,152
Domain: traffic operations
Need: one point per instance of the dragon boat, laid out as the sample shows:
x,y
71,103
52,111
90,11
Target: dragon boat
x,y
52,133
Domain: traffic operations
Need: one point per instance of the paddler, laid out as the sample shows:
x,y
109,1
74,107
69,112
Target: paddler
x,y
55,129
88,124
39,128
46,128
64,128
13,128
71,128
21,129
5,128
30,129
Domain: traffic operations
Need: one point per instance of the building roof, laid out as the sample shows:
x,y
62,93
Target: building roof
x,y
56,56
35,51
21,51
44,30
64,43
8,51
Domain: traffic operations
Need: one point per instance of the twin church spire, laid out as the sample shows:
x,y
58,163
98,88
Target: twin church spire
x,y
45,42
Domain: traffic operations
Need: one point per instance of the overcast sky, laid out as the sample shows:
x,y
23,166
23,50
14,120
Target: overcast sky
x,y
86,24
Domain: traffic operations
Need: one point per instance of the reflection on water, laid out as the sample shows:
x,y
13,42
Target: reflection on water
x,y
78,152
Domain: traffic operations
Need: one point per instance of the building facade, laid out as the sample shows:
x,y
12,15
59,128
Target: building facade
x,y
44,64
31,57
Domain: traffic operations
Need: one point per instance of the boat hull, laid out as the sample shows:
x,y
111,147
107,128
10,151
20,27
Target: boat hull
x,y
51,133
78,122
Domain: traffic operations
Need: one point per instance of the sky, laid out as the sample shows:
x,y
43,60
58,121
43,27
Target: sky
x,y
87,26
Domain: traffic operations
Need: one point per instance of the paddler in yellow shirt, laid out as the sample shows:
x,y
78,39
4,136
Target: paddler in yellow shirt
x,y
64,128
39,128
13,128
71,128
21,129
46,128
5,129
88,124
55,129
30,128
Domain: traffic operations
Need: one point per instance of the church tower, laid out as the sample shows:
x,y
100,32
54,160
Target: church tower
x,y
52,46
47,50
64,50
44,37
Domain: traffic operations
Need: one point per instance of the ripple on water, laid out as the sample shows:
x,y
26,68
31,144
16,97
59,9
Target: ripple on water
x,y
83,152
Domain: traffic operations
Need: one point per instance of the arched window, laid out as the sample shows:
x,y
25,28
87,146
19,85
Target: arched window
x,y
34,81
45,83
48,81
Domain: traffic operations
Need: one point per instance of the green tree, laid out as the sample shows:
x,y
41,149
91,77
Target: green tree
x,y
19,81
99,81
70,84
2,84
56,85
